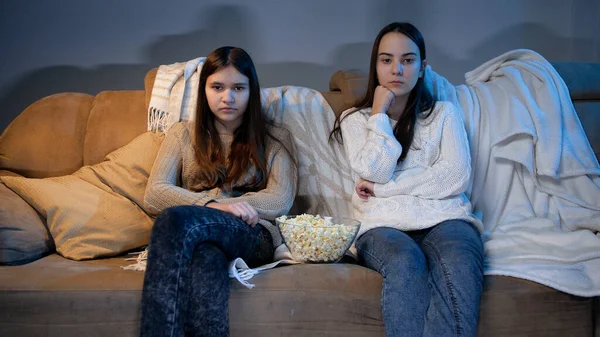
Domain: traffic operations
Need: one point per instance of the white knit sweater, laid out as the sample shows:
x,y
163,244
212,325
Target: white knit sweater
x,y
427,187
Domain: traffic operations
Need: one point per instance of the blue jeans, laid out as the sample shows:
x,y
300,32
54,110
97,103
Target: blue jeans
x,y
432,278
186,285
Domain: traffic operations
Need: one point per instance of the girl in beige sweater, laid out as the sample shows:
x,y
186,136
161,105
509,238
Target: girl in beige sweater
x,y
216,184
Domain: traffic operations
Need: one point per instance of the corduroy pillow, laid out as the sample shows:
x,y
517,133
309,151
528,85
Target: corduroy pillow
x,y
96,211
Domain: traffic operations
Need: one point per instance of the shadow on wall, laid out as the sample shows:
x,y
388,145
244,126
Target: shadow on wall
x,y
47,81
525,36
231,25
358,55
228,25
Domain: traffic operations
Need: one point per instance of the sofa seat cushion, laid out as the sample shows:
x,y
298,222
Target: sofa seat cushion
x,y
58,297
309,300
517,307
54,296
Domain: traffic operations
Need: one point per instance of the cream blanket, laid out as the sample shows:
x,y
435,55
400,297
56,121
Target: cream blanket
x,y
174,94
535,181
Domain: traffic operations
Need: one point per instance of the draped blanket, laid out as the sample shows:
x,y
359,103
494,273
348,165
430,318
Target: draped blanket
x,y
174,94
324,184
535,181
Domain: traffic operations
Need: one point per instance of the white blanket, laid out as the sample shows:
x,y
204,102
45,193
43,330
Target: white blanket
x,y
324,184
174,94
535,180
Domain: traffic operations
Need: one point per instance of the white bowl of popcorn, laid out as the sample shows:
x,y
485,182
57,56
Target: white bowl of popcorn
x,y
317,239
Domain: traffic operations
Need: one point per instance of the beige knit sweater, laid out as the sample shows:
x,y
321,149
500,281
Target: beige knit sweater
x,y
174,179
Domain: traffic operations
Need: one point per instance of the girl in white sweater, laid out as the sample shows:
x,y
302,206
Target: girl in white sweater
x,y
411,165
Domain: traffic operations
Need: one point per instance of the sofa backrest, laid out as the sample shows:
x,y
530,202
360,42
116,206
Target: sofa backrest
x,y
334,96
116,118
58,134
46,139
582,79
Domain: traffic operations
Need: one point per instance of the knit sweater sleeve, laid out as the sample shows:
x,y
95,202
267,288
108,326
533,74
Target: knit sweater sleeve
x,y
448,175
277,197
162,190
371,146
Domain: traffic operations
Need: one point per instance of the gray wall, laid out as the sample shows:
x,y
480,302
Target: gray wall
x,y
93,45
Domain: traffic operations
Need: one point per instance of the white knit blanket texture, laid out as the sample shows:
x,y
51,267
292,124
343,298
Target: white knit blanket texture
x,y
535,181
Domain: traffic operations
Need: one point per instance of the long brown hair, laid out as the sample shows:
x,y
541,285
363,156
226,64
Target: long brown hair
x,y
420,99
249,143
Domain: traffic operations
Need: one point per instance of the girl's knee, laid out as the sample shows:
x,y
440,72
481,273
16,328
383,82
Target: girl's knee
x,y
172,219
456,244
410,259
458,234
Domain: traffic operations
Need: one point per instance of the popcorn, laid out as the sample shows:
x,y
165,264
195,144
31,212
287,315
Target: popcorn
x,y
316,239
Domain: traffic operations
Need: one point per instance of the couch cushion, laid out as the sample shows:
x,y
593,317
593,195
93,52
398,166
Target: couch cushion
x,y
46,139
515,307
352,84
309,300
91,213
335,100
23,235
116,117
58,297
54,296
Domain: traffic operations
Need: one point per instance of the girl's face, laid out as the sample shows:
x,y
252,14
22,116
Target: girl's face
x,y
227,93
399,63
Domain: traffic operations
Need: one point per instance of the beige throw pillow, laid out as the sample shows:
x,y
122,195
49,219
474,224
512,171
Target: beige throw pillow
x,y
94,212
126,170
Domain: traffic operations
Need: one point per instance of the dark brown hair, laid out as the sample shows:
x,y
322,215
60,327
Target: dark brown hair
x,y
249,144
419,101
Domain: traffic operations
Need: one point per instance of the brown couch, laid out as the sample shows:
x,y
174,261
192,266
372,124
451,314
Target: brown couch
x,y
53,296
